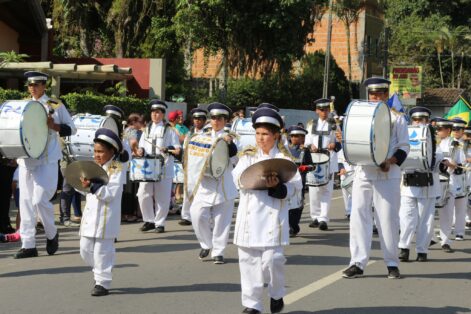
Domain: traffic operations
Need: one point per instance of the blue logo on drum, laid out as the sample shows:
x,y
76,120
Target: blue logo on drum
x,y
413,139
141,169
317,172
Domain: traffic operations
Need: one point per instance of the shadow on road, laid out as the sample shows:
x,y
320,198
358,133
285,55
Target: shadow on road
x,y
58,270
215,287
390,310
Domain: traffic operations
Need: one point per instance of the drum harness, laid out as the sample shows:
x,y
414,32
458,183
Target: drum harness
x,y
418,178
153,141
331,126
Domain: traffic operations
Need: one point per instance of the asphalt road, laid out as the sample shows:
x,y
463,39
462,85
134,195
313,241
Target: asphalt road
x,y
161,273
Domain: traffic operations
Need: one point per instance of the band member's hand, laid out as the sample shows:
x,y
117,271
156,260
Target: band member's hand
x,y
338,135
272,180
450,164
342,171
313,148
85,182
140,152
385,165
468,160
50,123
228,139
331,146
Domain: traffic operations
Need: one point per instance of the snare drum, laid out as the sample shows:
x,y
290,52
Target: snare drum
x,y
146,169
23,129
81,143
459,184
321,175
366,133
443,198
347,181
177,172
421,150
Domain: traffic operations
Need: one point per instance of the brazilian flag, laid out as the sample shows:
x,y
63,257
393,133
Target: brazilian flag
x,y
461,109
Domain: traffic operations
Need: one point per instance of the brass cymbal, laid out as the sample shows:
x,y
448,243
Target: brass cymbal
x,y
86,169
254,177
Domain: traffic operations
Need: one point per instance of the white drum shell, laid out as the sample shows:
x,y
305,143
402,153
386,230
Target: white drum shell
x,y
145,169
421,151
319,176
178,176
246,132
442,199
81,145
347,182
460,184
23,129
366,133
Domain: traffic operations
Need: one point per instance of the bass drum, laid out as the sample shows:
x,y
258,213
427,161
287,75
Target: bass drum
x,y
366,133
243,128
81,143
23,129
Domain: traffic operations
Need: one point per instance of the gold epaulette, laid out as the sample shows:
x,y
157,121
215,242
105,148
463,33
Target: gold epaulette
x,y
248,151
54,103
115,167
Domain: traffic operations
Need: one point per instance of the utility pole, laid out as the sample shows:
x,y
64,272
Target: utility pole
x,y
386,48
325,89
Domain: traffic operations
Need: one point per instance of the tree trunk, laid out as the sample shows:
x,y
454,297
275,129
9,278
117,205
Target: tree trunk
x,y
83,33
349,59
452,69
461,70
440,67
225,74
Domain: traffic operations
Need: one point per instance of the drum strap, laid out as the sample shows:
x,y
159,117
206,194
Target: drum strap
x,y
320,134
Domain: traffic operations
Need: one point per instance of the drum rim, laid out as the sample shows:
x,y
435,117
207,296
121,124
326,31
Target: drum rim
x,y
321,163
21,129
378,104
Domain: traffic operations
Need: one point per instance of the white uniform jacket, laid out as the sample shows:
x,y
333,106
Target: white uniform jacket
x,y
214,191
102,214
323,125
162,140
53,151
456,156
399,140
262,220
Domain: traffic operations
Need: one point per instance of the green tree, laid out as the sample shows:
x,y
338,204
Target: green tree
x,y
11,56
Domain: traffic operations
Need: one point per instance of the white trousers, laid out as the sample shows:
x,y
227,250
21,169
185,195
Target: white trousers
x,y
446,217
347,201
154,200
385,194
185,211
416,217
257,267
319,201
100,255
461,208
214,238
37,187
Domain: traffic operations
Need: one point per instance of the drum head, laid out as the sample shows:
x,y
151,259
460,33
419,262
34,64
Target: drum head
x,y
219,158
319,158
381,133
428,146
33,129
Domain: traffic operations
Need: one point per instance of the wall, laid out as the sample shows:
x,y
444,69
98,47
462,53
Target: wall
x,y
9,38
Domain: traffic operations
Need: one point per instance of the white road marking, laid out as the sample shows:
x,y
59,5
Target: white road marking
x,y
315,286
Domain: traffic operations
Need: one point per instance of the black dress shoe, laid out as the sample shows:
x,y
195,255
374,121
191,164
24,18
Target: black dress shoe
x,y
314,224
99,291
447,248
393,272
184,222
404,255
160,229
375,230
276,305
323,226
147,226
218,259
204,253
421,257
248,310
52,245
432,242
25,253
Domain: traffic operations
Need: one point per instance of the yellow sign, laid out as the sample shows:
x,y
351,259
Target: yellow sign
x,y
406,81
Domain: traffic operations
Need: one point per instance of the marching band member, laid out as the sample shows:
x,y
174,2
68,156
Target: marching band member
x,y
199,117
303,160
460,200
214,198
261,228
418,195
102,213
154,197
453,157
116,113
467,151
321,139
381,187
38,177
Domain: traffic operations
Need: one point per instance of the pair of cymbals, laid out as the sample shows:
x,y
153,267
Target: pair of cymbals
x,y
84,169
255,176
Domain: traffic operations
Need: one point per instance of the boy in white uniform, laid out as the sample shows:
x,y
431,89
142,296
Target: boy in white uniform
x,y
214,197
38,177
102,214
262,227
